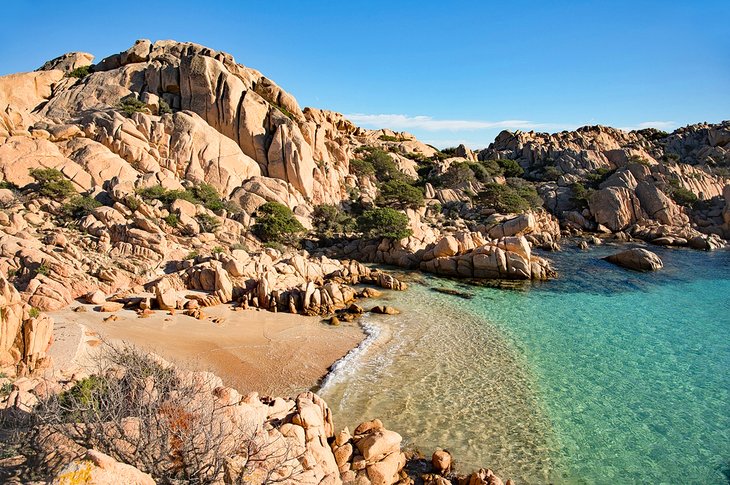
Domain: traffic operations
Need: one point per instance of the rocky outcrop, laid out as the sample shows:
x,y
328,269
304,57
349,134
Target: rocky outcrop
x,y
471,256
634,174
25,333
295,284
636,259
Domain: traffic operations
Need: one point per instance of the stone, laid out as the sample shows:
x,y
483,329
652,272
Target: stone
x,y
441,461
385,310
110,307
95,297
636,259
378,444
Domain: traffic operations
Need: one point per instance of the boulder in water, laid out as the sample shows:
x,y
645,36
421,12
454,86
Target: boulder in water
x,y
636,259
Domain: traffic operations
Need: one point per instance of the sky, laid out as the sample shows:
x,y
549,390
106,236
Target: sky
x,y
448,72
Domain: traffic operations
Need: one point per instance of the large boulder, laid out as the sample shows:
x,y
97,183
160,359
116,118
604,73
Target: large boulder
x,y
636,259
615,207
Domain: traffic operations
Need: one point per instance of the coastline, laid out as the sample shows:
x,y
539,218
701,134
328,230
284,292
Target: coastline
x,y
274,354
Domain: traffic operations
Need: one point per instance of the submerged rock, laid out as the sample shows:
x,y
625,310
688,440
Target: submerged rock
x,y
636,259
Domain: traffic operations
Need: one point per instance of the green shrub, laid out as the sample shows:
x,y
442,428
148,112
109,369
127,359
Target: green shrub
x,y
383,165
580,195
6,389
552,172
43,269
329,220
384,222
449,152
207,222
275,245
388,138
192,255
79,206
516,196
510,168
683,196
458,173
598,176
217,250
34,312
399,193
361,168
286,112
172,220
132,202
87,395
8,185
52,183
239,246
639,160
276,223
204,194
80,72
130,105
163,108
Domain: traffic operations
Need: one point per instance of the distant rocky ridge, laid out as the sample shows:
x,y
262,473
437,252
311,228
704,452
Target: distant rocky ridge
x,y
641,170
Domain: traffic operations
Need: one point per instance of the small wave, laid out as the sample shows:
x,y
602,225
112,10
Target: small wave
x,y
348,364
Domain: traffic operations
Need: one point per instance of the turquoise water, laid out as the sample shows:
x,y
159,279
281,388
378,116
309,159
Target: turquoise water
x,y
602,376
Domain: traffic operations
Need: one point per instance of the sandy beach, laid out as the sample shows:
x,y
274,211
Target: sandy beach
x,y
276,354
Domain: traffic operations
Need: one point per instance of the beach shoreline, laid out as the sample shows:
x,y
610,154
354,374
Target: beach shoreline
x,y
274,354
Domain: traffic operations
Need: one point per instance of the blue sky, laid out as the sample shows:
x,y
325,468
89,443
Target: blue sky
x,y
449,72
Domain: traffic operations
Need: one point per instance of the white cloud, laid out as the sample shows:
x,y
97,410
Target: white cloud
x,y
405,122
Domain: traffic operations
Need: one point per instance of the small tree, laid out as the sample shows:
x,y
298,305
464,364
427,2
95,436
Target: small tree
x,y
384,222
400,194
515,196
329,220
52,183
80,72
510,168
79,206
275,222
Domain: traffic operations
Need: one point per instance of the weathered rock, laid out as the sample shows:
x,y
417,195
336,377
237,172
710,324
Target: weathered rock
x,y
100,469
637,259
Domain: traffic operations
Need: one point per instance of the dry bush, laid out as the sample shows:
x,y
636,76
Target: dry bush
x,y
166,422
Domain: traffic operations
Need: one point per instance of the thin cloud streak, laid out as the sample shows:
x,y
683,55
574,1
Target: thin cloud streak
x,y
427,123
659,125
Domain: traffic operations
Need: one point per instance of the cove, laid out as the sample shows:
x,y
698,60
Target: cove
x,y
601,375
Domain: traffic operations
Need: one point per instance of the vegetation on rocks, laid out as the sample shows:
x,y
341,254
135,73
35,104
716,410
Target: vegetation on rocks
x,y
516,196
207,222
79,206
276,223
384,222
329,220
52,183
129,105
204,194
80,72
399,194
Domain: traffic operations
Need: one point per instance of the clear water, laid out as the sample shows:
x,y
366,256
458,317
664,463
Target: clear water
x,y
602,376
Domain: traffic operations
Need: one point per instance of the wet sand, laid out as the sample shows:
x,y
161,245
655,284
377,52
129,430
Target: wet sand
x,y
275,354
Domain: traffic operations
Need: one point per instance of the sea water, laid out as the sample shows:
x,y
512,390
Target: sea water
x,y
604,375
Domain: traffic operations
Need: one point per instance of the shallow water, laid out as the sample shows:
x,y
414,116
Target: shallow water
x,y
603,375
